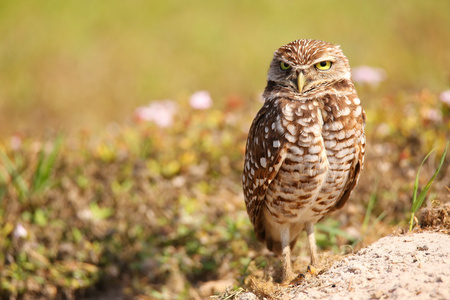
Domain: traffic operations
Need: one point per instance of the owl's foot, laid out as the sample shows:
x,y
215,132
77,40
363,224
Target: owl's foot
x,y
310,271
288,277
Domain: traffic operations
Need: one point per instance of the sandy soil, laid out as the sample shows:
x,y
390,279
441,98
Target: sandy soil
x,y
412,266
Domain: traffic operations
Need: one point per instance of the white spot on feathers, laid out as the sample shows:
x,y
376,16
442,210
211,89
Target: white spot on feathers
x,y
263,162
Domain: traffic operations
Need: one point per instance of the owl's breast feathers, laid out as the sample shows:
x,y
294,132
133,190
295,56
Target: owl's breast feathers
x,y
303,158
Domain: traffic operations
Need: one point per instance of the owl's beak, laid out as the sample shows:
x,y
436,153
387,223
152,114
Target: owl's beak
x,y
301,81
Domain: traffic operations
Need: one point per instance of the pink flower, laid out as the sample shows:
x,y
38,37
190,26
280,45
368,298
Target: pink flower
x,y
159,112
445,97
200,100
15,142
433,115
20,232
368,75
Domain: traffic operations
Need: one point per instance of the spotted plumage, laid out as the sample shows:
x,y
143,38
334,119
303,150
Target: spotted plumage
x,y
305,148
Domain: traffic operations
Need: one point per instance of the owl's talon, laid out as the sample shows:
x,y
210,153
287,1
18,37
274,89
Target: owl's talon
x,y
312,270
298,279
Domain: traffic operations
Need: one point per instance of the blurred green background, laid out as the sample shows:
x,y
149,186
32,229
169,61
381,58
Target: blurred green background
x,y
66,65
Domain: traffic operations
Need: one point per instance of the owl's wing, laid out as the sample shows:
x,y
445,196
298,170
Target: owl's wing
x,y
265,153
355,170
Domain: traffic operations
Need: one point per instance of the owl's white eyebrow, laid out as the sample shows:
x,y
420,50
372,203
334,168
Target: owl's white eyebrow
x,y
326,58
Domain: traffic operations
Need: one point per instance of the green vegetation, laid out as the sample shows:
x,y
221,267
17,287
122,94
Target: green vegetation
x,y
98,199
159,211
418,200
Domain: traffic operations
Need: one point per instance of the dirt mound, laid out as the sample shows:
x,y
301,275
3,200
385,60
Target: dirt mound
x,y
412,266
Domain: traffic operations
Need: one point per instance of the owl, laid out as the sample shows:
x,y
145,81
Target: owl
x,y
305,148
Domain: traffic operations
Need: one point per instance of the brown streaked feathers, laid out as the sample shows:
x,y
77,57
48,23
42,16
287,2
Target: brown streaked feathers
x,y
305,148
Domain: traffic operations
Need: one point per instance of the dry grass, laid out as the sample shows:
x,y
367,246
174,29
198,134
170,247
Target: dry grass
x,y
436,217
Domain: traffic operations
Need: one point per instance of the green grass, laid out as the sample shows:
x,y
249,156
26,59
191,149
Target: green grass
x,y
419,198
11,172
328,233
101,208
40,178
372,200
46,162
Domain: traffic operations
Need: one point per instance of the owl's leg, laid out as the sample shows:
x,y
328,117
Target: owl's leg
x,y
312,247
286,253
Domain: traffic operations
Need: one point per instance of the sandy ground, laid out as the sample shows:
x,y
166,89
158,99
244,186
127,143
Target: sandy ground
x,y
412,266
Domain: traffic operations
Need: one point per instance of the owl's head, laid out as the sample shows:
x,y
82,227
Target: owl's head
x,y
307,68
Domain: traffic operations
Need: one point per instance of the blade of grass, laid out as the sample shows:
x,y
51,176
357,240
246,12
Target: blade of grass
x,y
377,220
370,205
2,186
334,231
418,200
45,165
415,188
16,179
424,192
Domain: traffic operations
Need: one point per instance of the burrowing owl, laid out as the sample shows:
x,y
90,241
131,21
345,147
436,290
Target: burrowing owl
x,y
305,148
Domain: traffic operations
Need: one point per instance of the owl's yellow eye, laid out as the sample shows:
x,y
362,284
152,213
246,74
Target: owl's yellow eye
x,y
323,65
284,66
